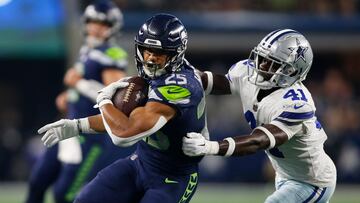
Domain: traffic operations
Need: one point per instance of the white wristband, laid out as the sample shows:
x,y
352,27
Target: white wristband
x,y
89,88
231,148
84,126
210,82
269,135
103,102
213,148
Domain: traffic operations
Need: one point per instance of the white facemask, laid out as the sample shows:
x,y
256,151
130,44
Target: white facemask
x,y
152,70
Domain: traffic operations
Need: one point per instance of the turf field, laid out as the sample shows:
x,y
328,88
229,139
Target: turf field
x,y
207,193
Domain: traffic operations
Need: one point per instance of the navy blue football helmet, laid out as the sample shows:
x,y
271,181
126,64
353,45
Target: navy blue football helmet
x,y
165,33
105,12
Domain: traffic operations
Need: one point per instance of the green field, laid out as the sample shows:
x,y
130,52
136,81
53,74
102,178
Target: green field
x,y
207,193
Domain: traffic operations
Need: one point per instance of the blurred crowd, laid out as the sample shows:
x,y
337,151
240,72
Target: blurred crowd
x,y
319,7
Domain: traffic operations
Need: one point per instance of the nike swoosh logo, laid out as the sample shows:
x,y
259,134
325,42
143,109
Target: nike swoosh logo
x,y
168,181
298,107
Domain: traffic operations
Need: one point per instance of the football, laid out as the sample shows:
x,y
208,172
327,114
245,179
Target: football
x,y
135,95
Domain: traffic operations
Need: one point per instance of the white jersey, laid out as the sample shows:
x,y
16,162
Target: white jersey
x,y
292,109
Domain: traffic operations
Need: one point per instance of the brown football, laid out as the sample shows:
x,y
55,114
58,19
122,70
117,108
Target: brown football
x,y
135,95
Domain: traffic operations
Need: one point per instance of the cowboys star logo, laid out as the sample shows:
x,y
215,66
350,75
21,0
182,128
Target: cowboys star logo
x,y
300,51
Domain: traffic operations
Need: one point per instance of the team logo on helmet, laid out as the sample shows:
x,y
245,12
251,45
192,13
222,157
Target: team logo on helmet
x,y
300,51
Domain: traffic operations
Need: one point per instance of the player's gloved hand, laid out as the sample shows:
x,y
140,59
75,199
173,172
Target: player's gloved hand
x,y
194,144
59,130
107,92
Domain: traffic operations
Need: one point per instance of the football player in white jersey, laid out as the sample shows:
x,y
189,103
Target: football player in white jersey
x,y
281,112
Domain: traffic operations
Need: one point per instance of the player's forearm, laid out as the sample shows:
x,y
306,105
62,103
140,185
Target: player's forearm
x,y
242,145
138,125
215,84
90,125
263,137
115,119
96,123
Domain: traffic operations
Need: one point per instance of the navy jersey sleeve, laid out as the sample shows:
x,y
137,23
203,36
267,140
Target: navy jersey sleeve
x,y
109,57
180,94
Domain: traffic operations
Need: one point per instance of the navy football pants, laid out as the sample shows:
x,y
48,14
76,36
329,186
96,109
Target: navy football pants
x,y
130,180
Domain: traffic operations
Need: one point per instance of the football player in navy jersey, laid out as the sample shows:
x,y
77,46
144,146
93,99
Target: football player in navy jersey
x,y
74,162
158,171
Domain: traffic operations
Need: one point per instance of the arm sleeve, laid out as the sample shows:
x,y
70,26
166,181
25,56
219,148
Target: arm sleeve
x,y
291,120
235,76
113,57
125,142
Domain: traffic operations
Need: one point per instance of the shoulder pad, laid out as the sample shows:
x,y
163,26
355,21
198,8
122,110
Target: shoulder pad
x,y
116,53
247,62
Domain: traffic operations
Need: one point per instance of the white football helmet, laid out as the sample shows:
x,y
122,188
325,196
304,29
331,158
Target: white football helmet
x,y
287,56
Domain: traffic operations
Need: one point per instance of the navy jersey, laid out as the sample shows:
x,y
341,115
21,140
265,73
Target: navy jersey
x,y
183,91
91,63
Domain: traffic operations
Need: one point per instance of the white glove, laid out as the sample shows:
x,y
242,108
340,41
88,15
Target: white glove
x,y
124,79
59,130
194,144
107,92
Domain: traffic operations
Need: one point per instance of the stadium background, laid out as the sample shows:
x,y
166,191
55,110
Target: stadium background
x,y
39,40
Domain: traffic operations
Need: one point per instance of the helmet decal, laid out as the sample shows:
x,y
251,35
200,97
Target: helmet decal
x,y
300,51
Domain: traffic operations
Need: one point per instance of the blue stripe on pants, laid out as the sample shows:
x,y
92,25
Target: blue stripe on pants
x,y
321,195
312,195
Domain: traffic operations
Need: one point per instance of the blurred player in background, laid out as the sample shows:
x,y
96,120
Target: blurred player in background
x,y
158,171
74,162
281,112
